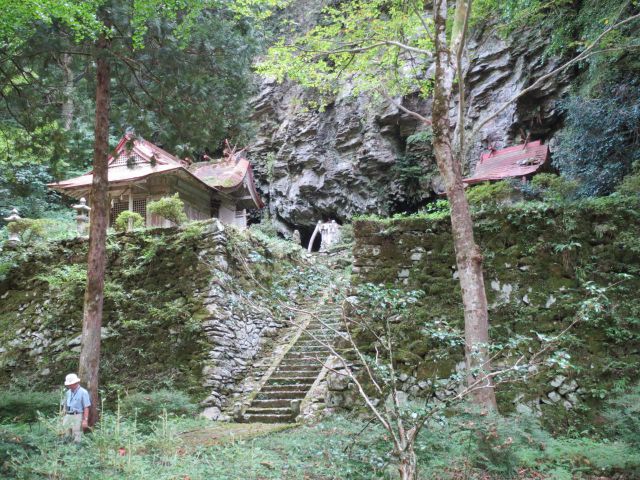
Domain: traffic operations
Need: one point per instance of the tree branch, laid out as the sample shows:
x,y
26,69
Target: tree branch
x,y
415,115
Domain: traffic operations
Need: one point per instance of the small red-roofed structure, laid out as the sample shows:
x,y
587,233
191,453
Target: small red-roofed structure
x,y
520,161
140,171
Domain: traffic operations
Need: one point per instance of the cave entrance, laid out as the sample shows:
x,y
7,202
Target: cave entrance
x,y
305,237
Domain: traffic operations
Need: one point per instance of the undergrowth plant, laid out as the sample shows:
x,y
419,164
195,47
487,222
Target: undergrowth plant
x,y
125,217
171,208
375,326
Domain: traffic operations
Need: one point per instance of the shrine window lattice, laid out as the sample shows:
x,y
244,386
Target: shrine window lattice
x,y
127,159
119,206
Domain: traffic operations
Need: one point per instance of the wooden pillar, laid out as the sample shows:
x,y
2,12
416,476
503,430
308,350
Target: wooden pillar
x,y
130,226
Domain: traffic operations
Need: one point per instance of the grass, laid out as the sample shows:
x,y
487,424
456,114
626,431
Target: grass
x,y
176,448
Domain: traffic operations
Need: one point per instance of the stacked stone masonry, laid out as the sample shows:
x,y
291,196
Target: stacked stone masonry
x,y
538,263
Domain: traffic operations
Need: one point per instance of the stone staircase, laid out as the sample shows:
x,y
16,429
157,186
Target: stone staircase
x,y
278,399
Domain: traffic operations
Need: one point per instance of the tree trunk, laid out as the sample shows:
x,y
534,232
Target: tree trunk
x,y
468,254
408,464
94,293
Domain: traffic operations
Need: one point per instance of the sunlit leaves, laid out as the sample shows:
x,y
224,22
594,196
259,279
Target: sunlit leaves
x,y
380,44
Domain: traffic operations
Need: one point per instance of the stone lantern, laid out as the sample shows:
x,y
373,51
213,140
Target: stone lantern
x,y
14,237
82,219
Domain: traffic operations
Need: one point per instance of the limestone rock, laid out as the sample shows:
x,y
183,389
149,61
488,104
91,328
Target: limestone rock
x,y
332,163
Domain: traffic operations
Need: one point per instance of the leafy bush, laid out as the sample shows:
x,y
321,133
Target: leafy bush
x,y
171,208
23,406
490,193
30,228
122,221
554,188
151,406
437,210
630,185
596,146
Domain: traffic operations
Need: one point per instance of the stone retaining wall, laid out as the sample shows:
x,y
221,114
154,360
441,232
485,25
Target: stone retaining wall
x,y
182,310
538,262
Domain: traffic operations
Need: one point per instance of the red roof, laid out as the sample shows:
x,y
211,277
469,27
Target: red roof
x,y
519,161
228,174
223,174
135,159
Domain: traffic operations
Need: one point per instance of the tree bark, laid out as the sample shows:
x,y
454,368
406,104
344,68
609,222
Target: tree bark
x,y
408,464
468,254
94,293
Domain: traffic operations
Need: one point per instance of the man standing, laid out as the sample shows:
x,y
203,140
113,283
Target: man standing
x,y
76,408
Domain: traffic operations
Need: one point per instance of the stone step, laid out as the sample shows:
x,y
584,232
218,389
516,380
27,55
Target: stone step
x,y
297,373
313,366
312,355
316,336
297,362
282,394
321,330
317,341
270,411
271,403
299,367
313,341
292,380
292,387
267,418
308,348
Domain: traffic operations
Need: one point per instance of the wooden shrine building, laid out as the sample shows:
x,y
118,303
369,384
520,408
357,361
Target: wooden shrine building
x,y
140,172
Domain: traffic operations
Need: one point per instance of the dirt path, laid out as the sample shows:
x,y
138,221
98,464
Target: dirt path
x,y
222,432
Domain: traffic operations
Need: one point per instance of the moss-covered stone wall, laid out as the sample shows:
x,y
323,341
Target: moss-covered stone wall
x,y
538,260
184,308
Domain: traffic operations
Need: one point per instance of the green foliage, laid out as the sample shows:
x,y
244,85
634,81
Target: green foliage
x,y
23,172
623,417
30,229
489,193
631,183
68,281
322,57
24,406
122,222
192,231
554,188
153,405
545,267
37,146
346,232
438,210
465,445
569,26
171,208
265,226
414,171
596,148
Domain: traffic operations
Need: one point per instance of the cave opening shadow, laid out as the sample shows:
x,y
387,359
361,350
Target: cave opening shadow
x,y
305,237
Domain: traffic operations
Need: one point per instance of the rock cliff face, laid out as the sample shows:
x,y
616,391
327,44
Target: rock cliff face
x,y
357,156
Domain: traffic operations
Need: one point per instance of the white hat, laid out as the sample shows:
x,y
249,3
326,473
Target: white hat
x,y
71,379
